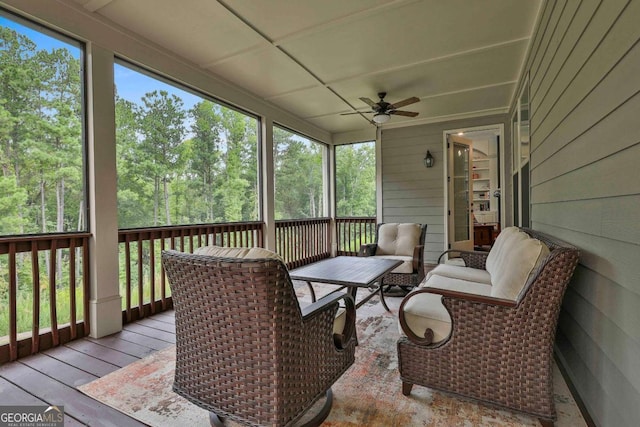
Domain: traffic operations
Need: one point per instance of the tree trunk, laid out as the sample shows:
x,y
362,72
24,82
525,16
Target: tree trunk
x,y
43,214
312,204
156,191
59,228
166,200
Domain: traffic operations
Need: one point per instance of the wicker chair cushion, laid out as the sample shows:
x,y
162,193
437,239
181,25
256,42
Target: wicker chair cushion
x,y
425,310
339,322
497,252
405,267
398,239
246,253
519,257
463,273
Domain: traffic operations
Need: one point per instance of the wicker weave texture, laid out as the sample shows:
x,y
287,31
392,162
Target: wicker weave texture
x,y
495,354
244,351
403,279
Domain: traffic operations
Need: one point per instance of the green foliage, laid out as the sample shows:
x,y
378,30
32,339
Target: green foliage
x,y
40,137
179,166
298,179
356,180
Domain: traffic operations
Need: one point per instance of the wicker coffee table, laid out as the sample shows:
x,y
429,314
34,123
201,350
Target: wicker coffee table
x,y
348,272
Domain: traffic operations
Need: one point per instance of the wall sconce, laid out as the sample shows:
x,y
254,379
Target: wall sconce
x,y
429,160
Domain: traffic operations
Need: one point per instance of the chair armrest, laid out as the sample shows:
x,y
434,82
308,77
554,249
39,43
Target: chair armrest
x,y
473,259
327,303
418,258
465,296
368,249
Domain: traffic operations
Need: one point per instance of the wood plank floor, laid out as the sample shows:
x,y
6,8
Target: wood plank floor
x,y
52,376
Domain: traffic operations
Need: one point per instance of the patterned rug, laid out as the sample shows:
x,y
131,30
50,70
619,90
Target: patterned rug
x,y
368,394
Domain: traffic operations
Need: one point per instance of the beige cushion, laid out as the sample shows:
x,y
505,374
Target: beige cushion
x,y
405,267
340,320
398,239
458,285
424,311
464,273
497,252
247,253
520,255
456,261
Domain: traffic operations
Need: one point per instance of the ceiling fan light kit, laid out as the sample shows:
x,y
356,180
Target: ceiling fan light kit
x,y
381,118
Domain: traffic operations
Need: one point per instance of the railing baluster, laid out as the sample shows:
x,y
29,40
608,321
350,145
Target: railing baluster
x,y
163,289
72,288
52,294
140,280
127,272
13,304
152,273
35,321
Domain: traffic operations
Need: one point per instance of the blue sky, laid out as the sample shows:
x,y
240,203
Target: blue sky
x,y
132,86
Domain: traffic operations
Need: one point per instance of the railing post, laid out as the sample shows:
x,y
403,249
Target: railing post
x,y
105,302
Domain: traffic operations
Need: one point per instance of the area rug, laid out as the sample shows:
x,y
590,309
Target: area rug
x,y
368,394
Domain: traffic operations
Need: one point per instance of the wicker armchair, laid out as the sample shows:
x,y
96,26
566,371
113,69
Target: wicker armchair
x,y
497,351
245,350
404,242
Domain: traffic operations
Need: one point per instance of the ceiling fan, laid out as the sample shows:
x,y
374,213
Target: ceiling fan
x,y
383,110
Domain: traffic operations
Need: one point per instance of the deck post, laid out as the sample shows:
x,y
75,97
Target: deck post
x,y
105,309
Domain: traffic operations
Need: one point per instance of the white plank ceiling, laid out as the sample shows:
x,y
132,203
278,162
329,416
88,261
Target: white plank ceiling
x,y
316,58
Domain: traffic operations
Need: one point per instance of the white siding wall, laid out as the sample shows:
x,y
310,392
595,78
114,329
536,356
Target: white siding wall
x,y
584,70
413,193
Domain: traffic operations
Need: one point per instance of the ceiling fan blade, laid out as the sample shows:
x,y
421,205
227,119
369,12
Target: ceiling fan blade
x,y
404,113
356,112
407,101
367,101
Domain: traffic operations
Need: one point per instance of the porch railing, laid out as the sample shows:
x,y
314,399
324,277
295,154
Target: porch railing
x,y
142,280
44,279
303,241
351,232
44,292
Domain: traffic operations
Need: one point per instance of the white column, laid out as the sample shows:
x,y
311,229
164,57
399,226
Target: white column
x,y
268,190
330,195
105,302
379,217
